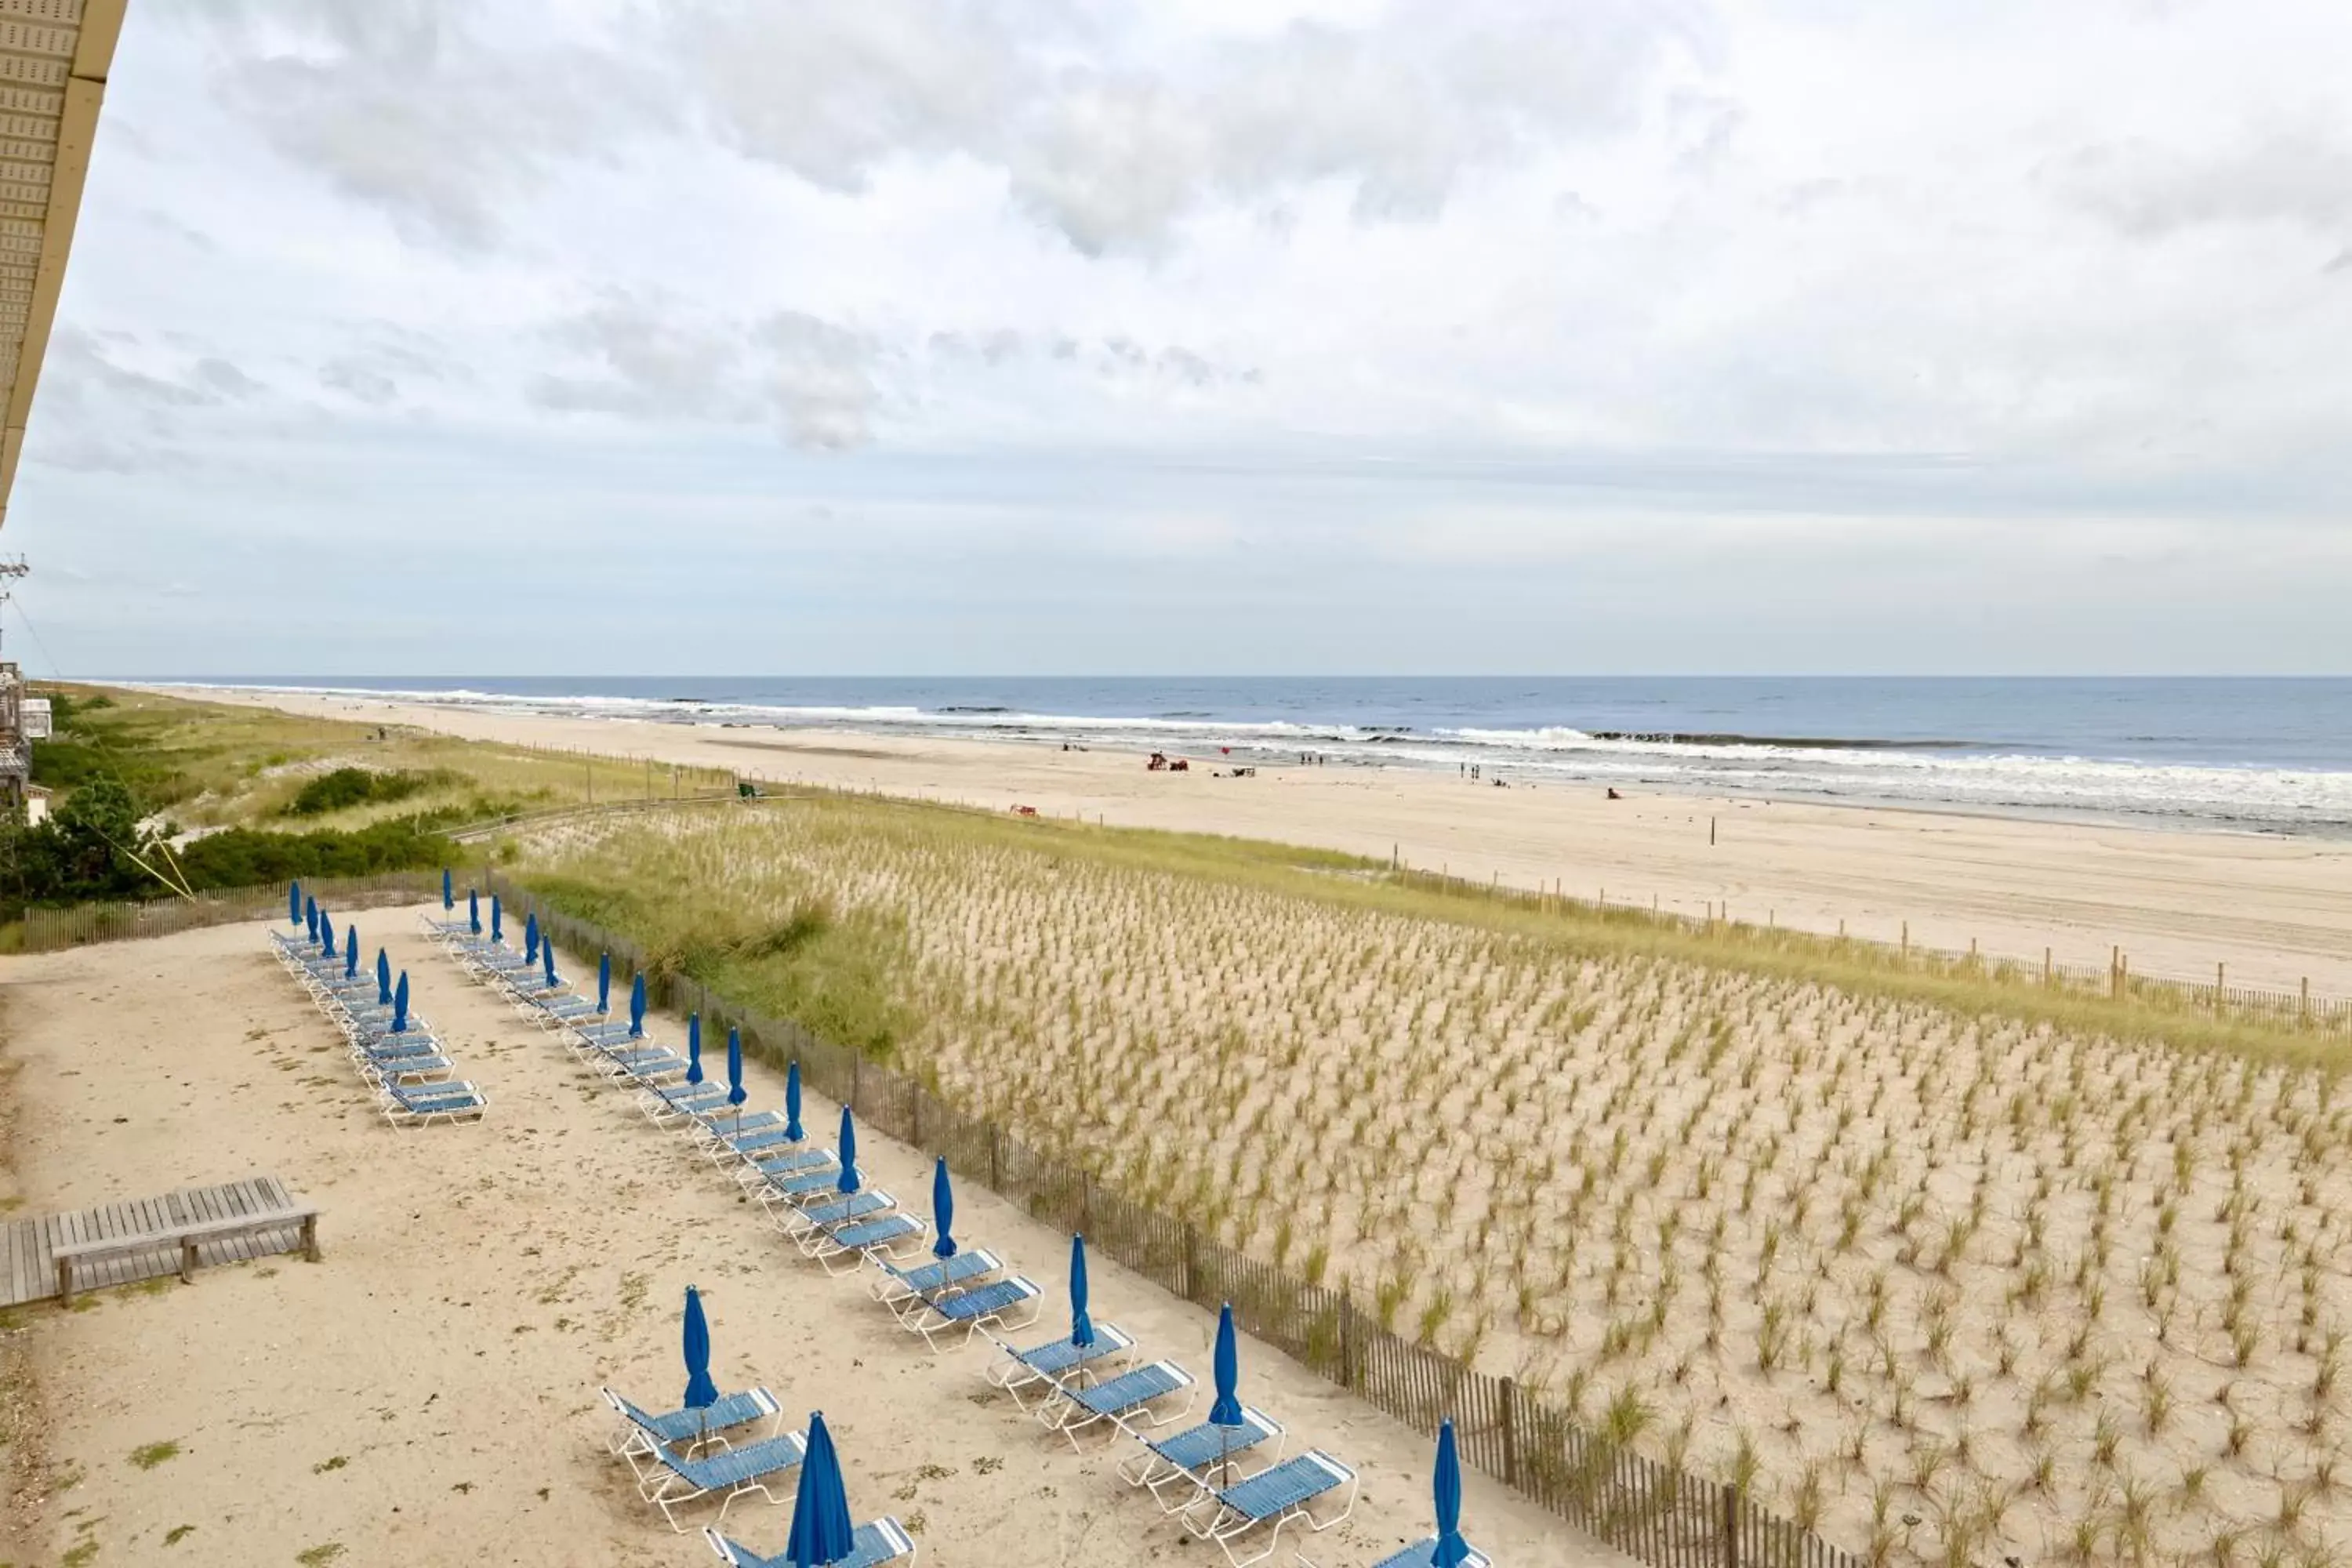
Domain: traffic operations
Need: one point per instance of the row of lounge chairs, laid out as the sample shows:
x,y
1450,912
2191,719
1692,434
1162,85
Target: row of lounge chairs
x,y
1195,1473
399,1058
688,1456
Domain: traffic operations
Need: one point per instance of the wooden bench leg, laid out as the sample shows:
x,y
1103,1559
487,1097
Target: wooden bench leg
x,y
64,1279
187,1262
311,1239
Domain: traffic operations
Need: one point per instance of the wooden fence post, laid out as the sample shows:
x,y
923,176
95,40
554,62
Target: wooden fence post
x,y
1348,1378
1906,939
1191,1262
1085,1202
2303,1014
996,1158
2048,966
1508,1392
1730,1527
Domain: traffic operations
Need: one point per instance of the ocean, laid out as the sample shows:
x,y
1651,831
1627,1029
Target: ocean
x,y
2238,754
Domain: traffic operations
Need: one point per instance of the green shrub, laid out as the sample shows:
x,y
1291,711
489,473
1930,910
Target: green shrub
x,y
348,788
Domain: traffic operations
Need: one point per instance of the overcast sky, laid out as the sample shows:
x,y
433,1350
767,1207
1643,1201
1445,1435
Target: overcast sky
x,y
559,336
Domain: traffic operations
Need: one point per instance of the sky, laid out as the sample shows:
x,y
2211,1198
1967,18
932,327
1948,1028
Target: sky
x,y
1213,337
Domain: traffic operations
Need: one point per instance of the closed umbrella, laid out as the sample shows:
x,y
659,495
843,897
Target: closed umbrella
x,y
496,934
400,1005
1225,1413
1447,1483
294,903
701,1394
942,1210
530,937
792,1101
383,978
311,918
735,1092
547,962
326,934
448,890
637,1007
474,911
1082,1327
603,982
848,1181
351,952
822,1531
694,1048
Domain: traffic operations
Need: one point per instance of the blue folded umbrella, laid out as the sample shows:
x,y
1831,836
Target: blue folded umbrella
x,y
1447,1483
530,937
700,1392
637,1007
1082,1327
294,903
822,1530
383,978
400,1005
942,1210
792,1101
694,1048
448,890
848,1181
603,982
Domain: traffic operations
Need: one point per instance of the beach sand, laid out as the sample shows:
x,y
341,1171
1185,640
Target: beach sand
x,y
2273,911
427,1393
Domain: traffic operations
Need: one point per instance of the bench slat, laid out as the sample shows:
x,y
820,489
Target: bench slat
x,y
173,1235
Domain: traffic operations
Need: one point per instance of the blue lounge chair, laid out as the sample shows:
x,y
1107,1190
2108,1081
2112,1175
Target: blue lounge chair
x,y
848,1247
787,1193
427,1103
783,1163
881,1541
967,1311
1053,1365
1195,1461
1124,1402
1272,1498
641,1431
909,1289
668,1101
847,1208
673,1478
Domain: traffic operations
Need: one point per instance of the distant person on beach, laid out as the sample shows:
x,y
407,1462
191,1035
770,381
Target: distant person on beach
x,y
1615,795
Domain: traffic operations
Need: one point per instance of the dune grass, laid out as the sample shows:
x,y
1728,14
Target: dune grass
x,y
1942,1262
221,764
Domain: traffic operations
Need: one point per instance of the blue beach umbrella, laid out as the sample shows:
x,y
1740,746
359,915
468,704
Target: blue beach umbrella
x,y
942,1210
637,1007
400,1005
603,982
1082,1328
474,911
310,917
383,978
1452,1550
351,952
496,934
822,1531
694,1048
736,1095
326,934
547,963
792,1101
530,938
849,1181
294,903
1227,1410
701,1394
448,890
1225,1413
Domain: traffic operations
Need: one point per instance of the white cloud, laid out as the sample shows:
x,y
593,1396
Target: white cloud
x,y
940,307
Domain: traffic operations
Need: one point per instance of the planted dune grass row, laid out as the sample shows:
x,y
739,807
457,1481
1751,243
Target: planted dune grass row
x,y
1945,1277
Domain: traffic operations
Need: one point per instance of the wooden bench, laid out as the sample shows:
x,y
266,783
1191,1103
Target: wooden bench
x,y
187,1237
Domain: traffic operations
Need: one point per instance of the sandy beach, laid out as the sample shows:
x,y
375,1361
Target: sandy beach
x,y
426,1391
2273,911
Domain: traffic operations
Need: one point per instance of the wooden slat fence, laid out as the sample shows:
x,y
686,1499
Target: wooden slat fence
x,y
1650,1511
